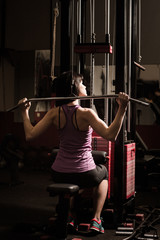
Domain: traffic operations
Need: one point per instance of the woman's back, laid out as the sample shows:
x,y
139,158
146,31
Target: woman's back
x,y
75,144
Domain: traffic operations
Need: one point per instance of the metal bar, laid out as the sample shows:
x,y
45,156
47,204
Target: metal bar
x,y
79,98
93,48
73,98
139,66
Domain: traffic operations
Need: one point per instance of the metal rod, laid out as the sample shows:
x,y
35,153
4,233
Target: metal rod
x,y
79,34
129,62
92,57
139,31
79,98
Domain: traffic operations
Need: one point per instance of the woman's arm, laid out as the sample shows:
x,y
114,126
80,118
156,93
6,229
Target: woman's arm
x,y
110,133
32,132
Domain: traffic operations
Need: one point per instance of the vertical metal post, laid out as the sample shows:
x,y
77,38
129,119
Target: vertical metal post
x,y
79,34
3,34
83,32
120,86
65,36
106,82
72,20
81,28
133,68
129,62
93,37
139,32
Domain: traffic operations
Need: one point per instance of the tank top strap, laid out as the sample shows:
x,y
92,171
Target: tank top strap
x,y
76,119
59,121
69,111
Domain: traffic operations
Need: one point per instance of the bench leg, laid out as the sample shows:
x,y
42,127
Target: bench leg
x,y
62,211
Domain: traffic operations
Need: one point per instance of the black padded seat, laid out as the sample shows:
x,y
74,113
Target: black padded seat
x,y
62,188
100,157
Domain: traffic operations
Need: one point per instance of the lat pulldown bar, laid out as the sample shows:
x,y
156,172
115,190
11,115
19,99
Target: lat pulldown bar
x,y
79,98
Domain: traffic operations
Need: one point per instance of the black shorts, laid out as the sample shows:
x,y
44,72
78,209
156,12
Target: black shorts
x,y
87,179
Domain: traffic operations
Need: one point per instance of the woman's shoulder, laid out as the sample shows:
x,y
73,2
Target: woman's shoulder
x,y
86,112
53,111
85,109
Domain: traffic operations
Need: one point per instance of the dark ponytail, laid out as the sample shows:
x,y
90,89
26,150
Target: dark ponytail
x,y
67,85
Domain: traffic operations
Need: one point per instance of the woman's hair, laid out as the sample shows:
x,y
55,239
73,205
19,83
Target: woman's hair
x,y
67,85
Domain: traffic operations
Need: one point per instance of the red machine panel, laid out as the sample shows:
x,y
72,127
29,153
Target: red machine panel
x,y
100,144
129,170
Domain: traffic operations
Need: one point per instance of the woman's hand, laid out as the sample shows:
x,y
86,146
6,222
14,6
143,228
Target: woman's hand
x,y
122,99
24,105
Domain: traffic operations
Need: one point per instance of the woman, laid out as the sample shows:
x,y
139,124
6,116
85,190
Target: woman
x,y
74,162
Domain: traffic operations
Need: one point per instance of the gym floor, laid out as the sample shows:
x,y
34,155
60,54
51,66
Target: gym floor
x,y
25,209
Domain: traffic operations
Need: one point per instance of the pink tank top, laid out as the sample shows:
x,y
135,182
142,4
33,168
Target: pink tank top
x,y
75,146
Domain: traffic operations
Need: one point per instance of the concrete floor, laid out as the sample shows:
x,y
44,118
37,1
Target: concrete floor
x,y
25,209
